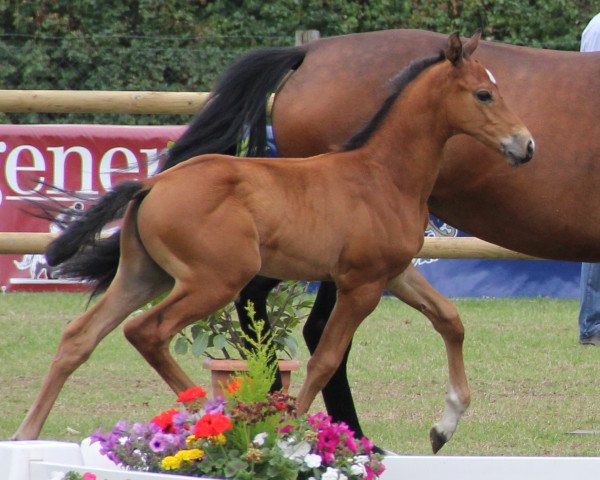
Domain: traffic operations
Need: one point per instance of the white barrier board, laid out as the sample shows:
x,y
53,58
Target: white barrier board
x,y
42,460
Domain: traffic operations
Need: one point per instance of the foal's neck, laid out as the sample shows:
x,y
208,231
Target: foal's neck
x,y
410,141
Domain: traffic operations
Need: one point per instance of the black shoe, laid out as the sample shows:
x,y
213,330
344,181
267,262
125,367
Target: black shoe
x,y
593,340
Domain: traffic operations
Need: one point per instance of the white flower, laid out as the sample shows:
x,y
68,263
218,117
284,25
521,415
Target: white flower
x,y
333,474
294,452
361,459
313,460
260,438
358,469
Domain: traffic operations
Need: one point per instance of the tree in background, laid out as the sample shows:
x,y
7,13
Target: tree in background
x,y
183,46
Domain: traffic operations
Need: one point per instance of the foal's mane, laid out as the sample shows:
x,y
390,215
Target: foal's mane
x,y
399,83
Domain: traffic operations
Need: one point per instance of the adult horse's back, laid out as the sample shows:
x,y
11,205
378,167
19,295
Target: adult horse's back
x,y
550,208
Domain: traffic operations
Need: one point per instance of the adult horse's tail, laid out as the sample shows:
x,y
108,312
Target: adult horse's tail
x,y
236,109
79,251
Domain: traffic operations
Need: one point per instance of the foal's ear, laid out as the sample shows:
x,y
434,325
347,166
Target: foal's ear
x,y
454,50
471,44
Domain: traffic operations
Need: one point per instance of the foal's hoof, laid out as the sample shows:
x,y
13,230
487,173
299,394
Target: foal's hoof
x,y
437,439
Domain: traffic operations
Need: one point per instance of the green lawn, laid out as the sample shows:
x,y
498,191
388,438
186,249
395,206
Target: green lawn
x,y
531,382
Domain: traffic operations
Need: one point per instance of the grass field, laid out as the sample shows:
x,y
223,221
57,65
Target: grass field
x,y
531,382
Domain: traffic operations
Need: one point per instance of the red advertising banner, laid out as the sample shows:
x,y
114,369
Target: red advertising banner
x,y
87,159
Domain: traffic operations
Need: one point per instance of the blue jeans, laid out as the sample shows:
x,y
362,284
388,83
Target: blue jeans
x,y
589,298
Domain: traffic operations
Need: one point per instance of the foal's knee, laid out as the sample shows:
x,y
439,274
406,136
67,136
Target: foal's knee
x,y
447,322
321,369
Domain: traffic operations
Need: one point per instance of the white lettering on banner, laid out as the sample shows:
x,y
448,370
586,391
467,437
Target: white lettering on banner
x,y
24,161
60,159
151,160
106,169
13,167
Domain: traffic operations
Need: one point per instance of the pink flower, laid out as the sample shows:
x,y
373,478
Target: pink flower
x,y
89,476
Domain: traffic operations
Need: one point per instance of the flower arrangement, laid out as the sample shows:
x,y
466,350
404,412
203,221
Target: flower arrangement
x,y
250,433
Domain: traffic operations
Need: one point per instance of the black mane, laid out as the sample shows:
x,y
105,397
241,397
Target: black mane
x,y
399,83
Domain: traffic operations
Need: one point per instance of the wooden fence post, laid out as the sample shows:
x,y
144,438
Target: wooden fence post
x,y
306,36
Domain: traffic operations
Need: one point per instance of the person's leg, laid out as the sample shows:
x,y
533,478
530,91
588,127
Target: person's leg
x,y
589,313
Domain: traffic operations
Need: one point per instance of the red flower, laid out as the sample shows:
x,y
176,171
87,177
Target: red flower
x,y
234,386
211,425
165,420
191,394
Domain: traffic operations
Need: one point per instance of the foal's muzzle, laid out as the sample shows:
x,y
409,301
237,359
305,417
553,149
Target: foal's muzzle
x,y
519,148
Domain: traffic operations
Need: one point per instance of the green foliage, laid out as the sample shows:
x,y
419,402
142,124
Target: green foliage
x,y
175,45
220,335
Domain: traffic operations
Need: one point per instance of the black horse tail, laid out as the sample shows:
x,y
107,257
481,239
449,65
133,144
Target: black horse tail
x,y
79,251
237,107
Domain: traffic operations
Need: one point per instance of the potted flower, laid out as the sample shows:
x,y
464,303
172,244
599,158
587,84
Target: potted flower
x,y
219,337
251,433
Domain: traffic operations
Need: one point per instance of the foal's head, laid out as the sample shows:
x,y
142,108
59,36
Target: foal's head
x,y
474,106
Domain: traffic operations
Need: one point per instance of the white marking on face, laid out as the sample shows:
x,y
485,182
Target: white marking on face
x,y
492,79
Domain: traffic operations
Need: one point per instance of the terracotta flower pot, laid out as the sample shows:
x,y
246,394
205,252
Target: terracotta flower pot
x,y
222,371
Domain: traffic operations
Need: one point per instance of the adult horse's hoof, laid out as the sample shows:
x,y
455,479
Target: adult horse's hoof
x,y
437,439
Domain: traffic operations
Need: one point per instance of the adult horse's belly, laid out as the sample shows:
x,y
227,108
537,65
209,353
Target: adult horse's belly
x,y
549,207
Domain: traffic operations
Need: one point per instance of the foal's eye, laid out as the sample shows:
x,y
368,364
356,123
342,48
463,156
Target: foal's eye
x,y
484,96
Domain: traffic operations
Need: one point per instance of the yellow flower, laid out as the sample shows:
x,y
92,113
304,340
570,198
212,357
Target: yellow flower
x,y
171,462
189,441
189,455
218,439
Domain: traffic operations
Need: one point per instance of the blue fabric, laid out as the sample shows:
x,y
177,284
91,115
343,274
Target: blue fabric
x,y
589,298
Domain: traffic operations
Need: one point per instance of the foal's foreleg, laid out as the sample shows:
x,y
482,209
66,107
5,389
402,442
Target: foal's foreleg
x,y
413,289
336,394
351,308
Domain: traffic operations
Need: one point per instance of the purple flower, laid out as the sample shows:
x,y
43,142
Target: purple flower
x,y
159,443
216,405
144,430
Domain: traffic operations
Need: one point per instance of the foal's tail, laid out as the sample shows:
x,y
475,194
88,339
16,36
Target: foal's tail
x,y
78,250
237,107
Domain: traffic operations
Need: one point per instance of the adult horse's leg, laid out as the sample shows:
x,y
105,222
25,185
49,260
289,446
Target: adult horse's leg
x,y
336,394
412,288
257,292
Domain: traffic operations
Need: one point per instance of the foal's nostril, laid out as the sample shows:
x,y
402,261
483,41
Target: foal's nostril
x,y
530,149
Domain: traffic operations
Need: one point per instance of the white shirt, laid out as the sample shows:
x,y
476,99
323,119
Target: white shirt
x,y
590,38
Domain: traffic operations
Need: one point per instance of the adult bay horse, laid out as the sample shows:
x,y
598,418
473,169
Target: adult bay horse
x,y
359,215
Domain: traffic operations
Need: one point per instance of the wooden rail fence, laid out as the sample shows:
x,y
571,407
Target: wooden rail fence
x,y
434,247
138,102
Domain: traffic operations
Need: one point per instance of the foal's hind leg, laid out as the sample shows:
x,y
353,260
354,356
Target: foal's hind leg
x,y
412,288
151,332
136,283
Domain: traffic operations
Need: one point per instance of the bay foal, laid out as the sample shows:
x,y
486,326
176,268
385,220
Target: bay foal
x,y
356,217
